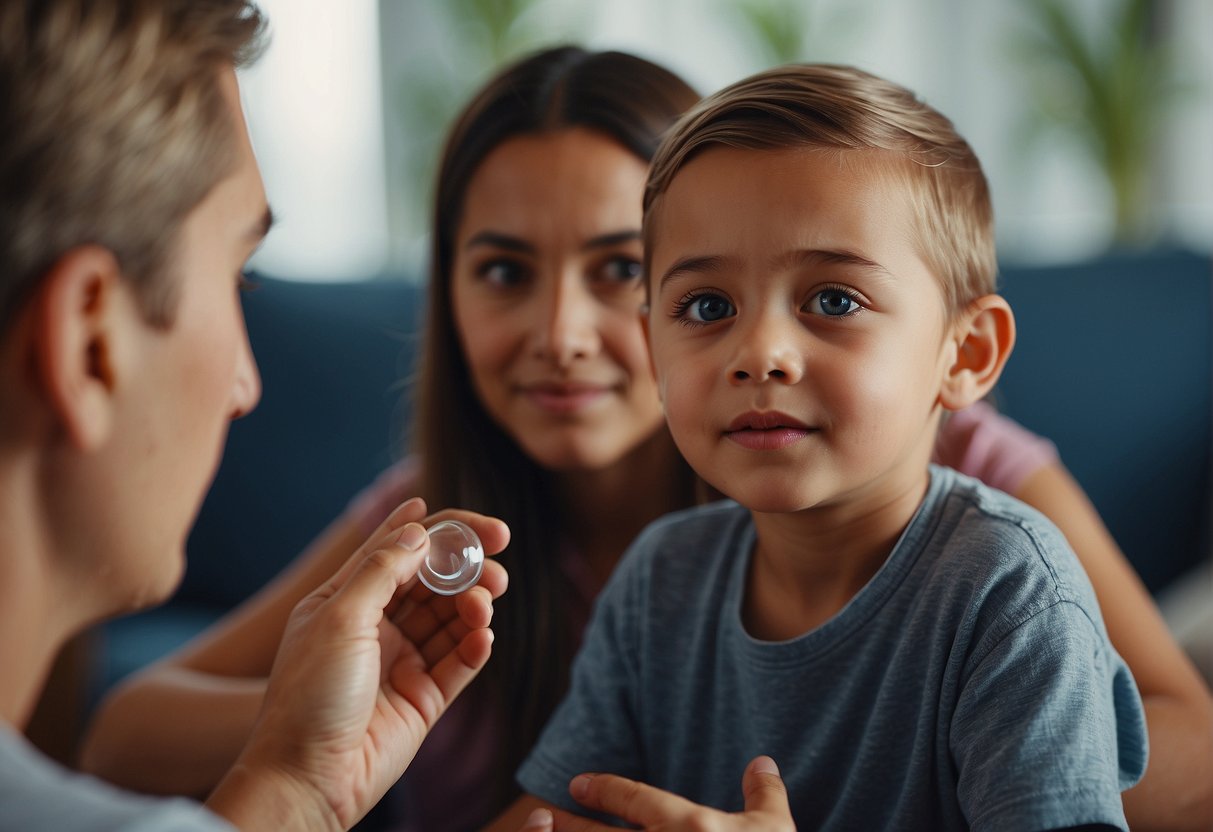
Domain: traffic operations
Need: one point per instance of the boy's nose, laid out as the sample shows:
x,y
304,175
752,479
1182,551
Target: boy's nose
x,y
765,353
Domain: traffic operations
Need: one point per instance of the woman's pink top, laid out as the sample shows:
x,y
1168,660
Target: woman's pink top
x,y
981,442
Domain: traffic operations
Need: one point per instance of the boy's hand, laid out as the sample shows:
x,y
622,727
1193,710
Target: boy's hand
x,y
766,804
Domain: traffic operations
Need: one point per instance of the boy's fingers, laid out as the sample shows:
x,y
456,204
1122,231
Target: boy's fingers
x,y
764,789
540,820
563,821
628,800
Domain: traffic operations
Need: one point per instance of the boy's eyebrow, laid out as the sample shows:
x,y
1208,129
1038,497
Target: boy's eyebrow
x,y
701,263
714,262
833,256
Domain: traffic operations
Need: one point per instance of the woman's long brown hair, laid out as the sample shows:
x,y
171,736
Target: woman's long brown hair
x,y
633,102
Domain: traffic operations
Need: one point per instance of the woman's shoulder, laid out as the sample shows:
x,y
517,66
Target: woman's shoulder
x,y
983,443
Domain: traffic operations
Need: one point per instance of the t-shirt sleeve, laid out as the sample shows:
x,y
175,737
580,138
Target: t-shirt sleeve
x,y
595,727
1048,728
982,443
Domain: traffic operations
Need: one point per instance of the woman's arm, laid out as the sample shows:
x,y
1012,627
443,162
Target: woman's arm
x,y
1176,792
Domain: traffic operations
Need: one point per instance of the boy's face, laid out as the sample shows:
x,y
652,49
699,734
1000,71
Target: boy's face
x,y
797,335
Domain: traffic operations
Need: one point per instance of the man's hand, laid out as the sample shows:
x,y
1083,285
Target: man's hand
x,y
368,663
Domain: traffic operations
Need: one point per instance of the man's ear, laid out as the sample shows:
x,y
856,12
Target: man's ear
x,y
983,335
77,307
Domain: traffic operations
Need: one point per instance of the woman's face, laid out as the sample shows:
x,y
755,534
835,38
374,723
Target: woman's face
x,y
546,290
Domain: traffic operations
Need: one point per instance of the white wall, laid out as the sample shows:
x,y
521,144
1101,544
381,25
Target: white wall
x,y
338,149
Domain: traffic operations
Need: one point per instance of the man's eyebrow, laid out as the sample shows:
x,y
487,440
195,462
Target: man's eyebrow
x,y
498,240
262,226
695,264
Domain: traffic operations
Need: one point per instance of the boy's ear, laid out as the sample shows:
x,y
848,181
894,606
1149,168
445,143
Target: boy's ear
x,y
77,308
984,335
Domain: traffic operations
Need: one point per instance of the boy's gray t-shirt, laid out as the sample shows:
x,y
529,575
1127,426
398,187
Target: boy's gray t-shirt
x,y
37,793
969,684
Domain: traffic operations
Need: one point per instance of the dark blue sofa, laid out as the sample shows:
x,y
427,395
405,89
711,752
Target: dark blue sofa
x,y
1113,363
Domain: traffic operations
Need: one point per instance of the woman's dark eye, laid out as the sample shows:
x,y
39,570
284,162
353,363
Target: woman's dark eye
x,y
834,303
622,269
709,308
502,273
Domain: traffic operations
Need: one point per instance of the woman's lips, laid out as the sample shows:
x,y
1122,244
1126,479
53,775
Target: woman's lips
x,y
563,399
766,431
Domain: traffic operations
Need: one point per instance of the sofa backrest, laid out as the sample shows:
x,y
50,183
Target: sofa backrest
x,y
1114,363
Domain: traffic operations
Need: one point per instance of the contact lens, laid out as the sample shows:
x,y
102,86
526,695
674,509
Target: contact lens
x,y
455,559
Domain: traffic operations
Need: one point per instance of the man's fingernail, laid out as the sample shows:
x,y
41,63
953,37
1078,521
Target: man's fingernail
x,y
765,765
412,536
538,819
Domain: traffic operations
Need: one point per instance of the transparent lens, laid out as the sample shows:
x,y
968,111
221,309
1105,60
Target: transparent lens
x,y
455,559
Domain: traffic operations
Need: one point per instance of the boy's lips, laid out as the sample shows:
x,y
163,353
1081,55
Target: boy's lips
x,y
766,430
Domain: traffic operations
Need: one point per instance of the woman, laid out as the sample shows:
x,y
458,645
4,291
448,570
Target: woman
x,y
536,405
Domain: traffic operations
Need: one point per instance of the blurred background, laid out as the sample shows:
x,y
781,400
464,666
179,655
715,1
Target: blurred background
x,y
1093,118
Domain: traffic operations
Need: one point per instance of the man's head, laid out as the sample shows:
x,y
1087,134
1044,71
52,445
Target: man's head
x,y
131,202
112,129
847,110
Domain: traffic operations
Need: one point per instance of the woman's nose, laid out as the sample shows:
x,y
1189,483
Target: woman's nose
x,y
567,327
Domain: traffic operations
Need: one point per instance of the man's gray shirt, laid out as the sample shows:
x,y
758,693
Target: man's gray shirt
x,y
37,793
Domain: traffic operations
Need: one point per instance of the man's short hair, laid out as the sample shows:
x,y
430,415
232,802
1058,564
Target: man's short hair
x,y
844,109
113,127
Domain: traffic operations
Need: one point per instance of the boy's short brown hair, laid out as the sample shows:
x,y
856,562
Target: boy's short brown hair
x,y
842,108
113,128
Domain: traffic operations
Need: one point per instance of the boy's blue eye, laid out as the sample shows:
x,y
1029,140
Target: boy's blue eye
x,y
708,308
834,303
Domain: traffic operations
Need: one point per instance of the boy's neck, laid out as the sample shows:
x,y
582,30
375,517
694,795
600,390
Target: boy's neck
x,y
808,565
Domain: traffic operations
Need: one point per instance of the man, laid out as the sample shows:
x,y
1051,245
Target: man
x,y
129,201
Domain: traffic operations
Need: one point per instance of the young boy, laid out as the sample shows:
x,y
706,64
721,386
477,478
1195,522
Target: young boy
x,y
915,650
